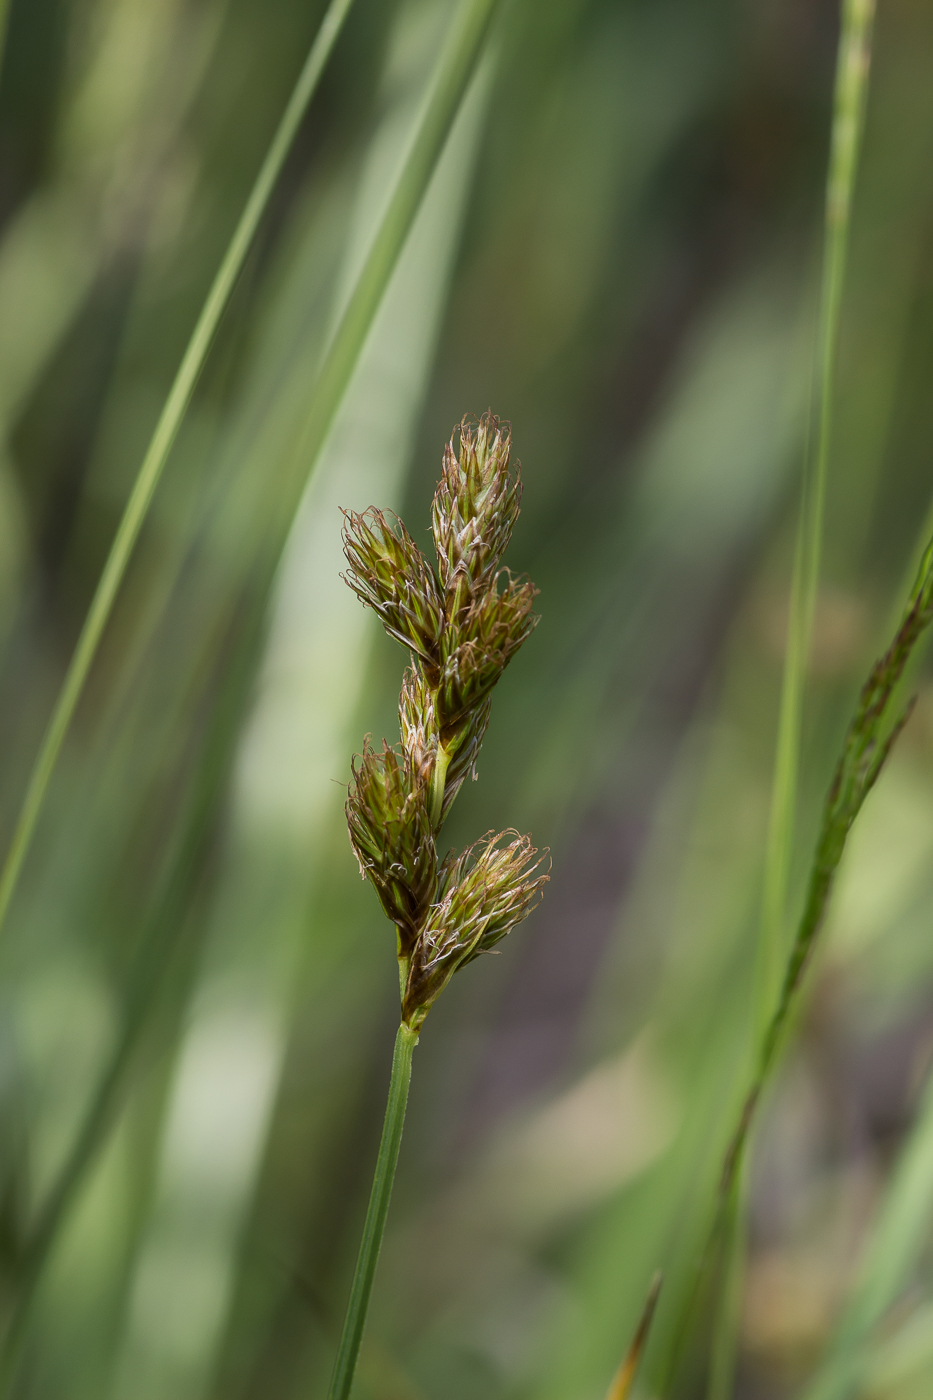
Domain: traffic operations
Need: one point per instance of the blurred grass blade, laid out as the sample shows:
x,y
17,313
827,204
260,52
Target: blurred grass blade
x,y
159,942
852,72
449,83
728,1316
161,445
868,742
625,1376
851,87
898,1240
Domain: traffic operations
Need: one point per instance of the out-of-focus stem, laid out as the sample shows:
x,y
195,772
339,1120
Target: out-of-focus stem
x,y
851,90
852,73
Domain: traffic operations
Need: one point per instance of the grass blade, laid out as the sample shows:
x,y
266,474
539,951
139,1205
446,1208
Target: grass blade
x,y
159,448
727,1320
158,945
868,742
625,1376
851,87
852,72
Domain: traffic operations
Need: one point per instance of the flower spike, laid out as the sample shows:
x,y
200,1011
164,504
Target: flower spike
x,y
462,626
489,890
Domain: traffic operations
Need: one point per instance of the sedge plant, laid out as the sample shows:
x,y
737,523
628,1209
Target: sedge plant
x,y
461,622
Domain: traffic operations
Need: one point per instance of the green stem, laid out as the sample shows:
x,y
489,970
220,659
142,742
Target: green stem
x,y
160,446
438,783
373,1229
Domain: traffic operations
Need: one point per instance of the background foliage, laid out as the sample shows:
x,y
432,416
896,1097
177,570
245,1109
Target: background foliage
x,y
618,252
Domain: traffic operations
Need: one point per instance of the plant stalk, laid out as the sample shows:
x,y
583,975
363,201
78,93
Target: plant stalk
x,y
374,1227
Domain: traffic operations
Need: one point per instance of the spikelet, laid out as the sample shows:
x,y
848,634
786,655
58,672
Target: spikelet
x,y
478,649
489,889
392,838
388,571
476,506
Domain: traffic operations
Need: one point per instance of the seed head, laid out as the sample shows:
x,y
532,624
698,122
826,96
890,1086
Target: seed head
x,y
483,894
462,627
388,572
391,835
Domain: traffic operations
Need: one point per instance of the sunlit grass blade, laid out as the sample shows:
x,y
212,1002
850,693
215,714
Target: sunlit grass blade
x,y
894,1248
160,447
624,1378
